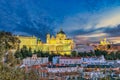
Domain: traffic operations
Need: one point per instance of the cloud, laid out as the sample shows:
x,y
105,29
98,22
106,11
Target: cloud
x,y
113,32
83,39
25,17
86,23
115,40
111,20
93,35
75,22
93,27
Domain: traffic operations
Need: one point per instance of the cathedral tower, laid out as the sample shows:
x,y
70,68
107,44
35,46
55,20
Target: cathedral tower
x,y
48,38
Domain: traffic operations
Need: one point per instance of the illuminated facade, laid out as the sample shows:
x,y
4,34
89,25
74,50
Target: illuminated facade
x,y
108,46
104,42
59,44
104,45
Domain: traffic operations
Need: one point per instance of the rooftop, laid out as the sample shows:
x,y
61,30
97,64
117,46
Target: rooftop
x,y
70,57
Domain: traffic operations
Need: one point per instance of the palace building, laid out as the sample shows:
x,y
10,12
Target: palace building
x,y
107,45
104,45
54,44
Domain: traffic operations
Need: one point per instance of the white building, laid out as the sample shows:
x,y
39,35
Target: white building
x,y
34,60
63,69
93,60
94,74
69,60
79,60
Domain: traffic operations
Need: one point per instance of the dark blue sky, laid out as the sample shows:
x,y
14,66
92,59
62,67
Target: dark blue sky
x,y
80,19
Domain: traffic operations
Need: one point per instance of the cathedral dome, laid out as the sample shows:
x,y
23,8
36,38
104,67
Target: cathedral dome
x,y
61,32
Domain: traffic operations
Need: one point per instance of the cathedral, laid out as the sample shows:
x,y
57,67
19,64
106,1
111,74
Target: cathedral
x,y
104,45
58,44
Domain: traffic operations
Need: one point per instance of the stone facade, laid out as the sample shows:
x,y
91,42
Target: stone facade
x,y
59,44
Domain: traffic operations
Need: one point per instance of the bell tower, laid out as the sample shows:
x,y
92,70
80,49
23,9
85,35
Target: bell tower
x,y
48,38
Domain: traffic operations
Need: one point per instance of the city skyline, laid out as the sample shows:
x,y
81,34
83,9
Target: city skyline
x,y
83,20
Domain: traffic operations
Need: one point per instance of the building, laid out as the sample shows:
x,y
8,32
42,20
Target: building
x,y
107,45
103,45
83,61
55,60
34,60
70,60
59,44
66,60
93,60
28,41
104,42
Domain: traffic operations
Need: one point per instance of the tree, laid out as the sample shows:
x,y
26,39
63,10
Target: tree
x,y
98,52
74,54
30,52
18,54
7,41
9,73
108,46
39,53
118,54
9,70
10,59
33,75
25,52
46,54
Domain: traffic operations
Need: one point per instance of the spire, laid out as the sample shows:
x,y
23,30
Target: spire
x,y
61,32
